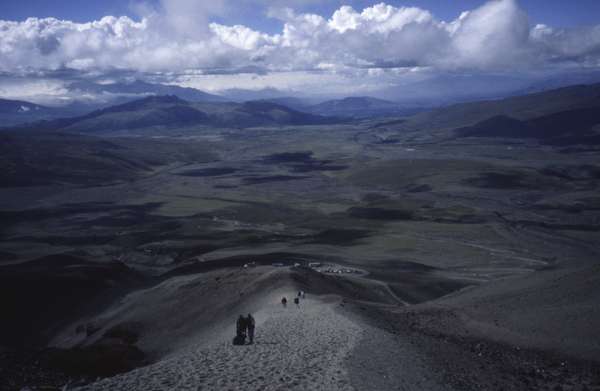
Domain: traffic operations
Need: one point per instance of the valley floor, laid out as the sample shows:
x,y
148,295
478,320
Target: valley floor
x,y
124,261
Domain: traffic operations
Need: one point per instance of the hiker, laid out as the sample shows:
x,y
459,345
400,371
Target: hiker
x,y
297,301
284,301
240,337
250,323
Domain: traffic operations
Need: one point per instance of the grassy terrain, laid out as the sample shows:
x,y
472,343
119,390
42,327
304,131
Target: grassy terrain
x,y
333,195
423,214
118,246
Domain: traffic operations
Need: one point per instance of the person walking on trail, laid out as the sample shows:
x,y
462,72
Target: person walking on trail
x,y
250,324
297,301
240,337
284,301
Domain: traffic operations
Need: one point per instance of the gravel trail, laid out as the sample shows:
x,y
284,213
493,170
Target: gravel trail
x,y
296,348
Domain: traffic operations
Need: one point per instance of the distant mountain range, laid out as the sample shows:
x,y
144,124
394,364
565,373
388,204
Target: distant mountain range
x,y
567,116
208,110
299,104
562,117
356,107
523,107
456,88
448,89
138,88
400,100
172,112
562,128
120,93
13,112
19,107
243,95
359,107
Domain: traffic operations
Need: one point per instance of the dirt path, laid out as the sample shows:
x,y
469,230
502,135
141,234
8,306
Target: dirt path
x,y
296,348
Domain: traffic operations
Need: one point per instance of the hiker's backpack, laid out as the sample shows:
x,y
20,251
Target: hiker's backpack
x,y
239,340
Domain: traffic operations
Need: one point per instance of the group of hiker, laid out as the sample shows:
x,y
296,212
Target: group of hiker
x,y
244,328
301,295
245,325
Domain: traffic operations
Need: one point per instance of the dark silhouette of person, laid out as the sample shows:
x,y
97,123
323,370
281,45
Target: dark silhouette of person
x,y
250,324
284,301
241,325
297,301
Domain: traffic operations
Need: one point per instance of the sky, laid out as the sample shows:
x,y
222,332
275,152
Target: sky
x,y
328,47
558,13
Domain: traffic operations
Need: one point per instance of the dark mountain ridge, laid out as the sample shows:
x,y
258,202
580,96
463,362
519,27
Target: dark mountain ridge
x,y
522,107
358,107
14,112
18,106
562,128
171,111
141,88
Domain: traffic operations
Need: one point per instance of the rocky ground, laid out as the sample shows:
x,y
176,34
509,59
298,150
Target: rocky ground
x,y
423,343
332,342
301,347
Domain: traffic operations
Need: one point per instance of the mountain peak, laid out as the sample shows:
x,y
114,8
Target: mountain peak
x,y
147,102
171,99
357,106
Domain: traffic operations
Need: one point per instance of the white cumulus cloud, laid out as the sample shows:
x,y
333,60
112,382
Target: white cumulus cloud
x,y
181,36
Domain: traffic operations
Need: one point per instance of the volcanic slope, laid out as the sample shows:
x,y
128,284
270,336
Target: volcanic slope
x,y
297,347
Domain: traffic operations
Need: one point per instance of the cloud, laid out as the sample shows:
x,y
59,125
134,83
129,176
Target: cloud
x,y
180,36
495,35
189,18
39,90
579,46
